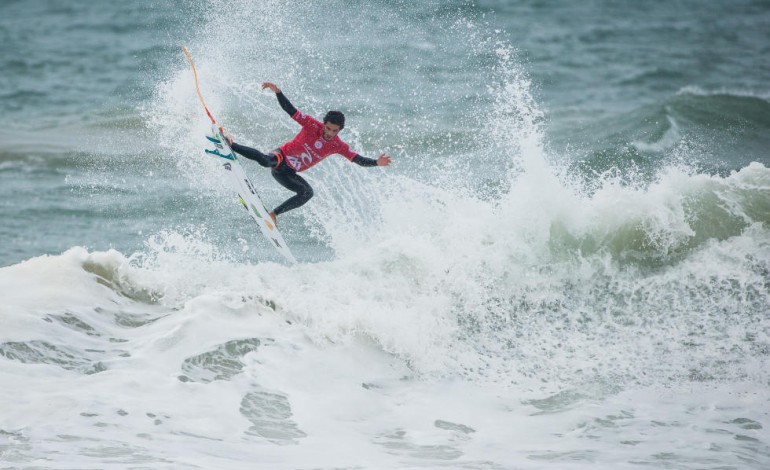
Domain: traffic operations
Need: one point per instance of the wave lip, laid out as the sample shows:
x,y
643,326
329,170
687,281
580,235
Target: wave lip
x,y
672,216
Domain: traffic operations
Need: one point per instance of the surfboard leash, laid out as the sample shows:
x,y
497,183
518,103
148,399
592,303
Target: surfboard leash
x,y
198,90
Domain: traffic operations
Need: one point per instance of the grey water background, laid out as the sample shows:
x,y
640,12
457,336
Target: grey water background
x,y
76,76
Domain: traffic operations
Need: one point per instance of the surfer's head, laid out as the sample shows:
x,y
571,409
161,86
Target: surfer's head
x,y
334,122
335,117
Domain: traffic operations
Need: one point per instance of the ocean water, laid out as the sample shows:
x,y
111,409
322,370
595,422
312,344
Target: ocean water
x,y
567,265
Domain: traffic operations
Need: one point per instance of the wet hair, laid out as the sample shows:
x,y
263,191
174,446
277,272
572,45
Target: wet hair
x,y
335,117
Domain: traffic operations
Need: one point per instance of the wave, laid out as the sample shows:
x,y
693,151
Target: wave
x,y
698,91
449,281
714,132
491,285
677,213
422,305
723,110
465,287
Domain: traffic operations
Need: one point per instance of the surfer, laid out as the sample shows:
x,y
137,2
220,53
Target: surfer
x,y
316,141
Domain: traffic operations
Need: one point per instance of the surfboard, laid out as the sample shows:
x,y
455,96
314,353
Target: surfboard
x,y
237,178
246,190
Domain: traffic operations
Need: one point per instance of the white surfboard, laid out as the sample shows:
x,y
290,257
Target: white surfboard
x,y
248,194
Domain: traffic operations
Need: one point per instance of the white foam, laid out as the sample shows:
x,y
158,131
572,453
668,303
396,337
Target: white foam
x,y
743,93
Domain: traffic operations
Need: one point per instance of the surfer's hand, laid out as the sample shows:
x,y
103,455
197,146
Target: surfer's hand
x,y
383,160
272,87
228,138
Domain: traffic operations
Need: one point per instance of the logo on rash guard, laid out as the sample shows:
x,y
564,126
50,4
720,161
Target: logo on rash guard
x,y
303,160
294,161
318,144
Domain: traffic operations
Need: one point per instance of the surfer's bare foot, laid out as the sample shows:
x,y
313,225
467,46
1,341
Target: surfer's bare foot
x,y
272,216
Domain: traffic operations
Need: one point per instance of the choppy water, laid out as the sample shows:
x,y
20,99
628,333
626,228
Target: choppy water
x,y
567,265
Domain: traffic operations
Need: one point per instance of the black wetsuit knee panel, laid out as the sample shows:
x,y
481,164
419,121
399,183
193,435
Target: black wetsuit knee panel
x,y
289,179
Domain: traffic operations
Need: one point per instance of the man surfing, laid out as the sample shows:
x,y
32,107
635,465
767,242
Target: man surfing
x,y
316,141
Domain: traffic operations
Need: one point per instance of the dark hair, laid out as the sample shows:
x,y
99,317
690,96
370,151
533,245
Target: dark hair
x,y
335,117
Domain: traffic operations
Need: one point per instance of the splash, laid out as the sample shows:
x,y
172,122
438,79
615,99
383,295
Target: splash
x,y
477,253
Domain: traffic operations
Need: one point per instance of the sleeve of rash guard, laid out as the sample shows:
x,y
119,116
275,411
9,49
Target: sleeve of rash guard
x,y
363,161
344,150
286,104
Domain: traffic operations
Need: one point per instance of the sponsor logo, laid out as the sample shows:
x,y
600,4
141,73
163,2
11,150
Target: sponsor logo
x,y
294,162
318,144
251,188
228,167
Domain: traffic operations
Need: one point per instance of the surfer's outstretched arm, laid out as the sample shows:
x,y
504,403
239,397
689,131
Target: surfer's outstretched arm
x,y
382,160
282,100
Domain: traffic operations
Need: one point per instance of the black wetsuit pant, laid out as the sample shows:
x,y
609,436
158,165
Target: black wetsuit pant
x,y
283,173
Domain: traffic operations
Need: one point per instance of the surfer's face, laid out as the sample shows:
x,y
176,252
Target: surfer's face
x,y
330,130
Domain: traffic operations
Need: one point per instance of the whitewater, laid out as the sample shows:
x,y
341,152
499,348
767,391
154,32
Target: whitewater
x,y
596,294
